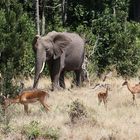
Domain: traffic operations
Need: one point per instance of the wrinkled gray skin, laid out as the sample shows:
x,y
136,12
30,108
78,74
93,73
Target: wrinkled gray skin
x,y
62,52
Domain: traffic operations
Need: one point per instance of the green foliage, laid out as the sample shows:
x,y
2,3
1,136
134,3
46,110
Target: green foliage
x,y
127,62
53,16
7,87
5,121
110,38
32,131
80,12
117,40
16,55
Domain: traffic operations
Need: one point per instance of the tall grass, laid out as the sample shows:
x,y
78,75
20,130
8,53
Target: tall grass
x,y
120,121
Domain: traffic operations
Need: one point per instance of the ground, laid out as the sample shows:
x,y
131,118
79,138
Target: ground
x,y
121,120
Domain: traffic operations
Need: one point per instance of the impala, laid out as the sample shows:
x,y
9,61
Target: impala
x,y
102,96
133,89
27,97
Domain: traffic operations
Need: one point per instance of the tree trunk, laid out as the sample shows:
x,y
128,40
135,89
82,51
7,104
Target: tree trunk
x,y
43,17
64,12
37,17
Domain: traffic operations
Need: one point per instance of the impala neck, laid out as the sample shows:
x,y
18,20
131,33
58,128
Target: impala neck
x,y
14,100
129,87
106,90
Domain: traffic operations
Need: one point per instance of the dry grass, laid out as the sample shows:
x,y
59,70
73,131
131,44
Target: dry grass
x,y
121,120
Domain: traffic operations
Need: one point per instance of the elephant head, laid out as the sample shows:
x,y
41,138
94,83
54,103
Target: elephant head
x,y
48,47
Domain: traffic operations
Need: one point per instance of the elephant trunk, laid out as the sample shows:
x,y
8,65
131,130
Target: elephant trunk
x,y
39,66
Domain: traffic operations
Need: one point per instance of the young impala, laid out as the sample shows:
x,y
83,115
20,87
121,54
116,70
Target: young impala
x,y
102,96
27,97
133,89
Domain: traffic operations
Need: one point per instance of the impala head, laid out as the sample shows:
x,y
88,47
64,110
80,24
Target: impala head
x,y
7,102
125,82
107,87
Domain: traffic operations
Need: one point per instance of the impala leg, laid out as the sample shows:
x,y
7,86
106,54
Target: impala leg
x,y
134,100
99,101
26,108
42,101
105,103
45,105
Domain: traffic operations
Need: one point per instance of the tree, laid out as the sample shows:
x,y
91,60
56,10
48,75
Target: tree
x,y
43,18
37,17
16,33
117,39
64,12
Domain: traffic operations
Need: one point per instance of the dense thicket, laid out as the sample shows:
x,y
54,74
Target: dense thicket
x,y
112,39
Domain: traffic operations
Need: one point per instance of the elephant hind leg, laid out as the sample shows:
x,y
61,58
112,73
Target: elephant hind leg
x,y
78,77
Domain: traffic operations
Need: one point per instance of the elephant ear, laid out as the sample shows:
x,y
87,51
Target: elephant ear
x,y
60,44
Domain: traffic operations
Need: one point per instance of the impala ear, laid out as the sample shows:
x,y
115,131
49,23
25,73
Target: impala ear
x,y
60,43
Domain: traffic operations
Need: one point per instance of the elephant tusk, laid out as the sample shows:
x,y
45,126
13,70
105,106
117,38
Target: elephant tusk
x,y
42,67
32,69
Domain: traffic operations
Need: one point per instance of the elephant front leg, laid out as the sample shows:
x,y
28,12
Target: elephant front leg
x,y
61,80
55,74
55,83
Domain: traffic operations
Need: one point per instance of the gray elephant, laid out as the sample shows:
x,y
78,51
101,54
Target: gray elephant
x,y
62,51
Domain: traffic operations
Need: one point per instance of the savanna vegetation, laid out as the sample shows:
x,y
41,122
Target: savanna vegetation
x,y
112,32
112,38
75,114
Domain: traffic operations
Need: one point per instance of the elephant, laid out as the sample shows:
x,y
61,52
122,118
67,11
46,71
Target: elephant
x,y
62,51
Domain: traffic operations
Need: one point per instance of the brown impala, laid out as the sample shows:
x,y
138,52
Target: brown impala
x,y
27,97
133,89
102,96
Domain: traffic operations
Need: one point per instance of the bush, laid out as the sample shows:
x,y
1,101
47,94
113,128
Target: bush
x,y
32,130
117,40
5,121
76,111
52,134
16,56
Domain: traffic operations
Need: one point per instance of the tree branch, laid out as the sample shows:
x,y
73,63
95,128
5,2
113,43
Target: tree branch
x,y
59,5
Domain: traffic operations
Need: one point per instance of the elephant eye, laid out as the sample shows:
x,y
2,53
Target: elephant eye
x,y
47,49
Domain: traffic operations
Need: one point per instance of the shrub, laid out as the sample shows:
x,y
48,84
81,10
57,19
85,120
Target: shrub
x,y
52,134
32,130
117,40
76,111
5,121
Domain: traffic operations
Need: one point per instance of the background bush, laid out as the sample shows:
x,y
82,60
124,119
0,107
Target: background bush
x,y
112,41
